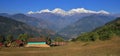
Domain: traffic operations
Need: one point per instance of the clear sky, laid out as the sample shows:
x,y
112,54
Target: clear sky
x,y
23,6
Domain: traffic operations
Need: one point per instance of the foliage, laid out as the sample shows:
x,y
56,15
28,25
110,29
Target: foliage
x,y
9,38
58,39
87,37
23,37
102,33
48,40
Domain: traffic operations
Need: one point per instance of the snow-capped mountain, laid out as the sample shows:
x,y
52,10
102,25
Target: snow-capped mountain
x,y
62,21
59,18
69,12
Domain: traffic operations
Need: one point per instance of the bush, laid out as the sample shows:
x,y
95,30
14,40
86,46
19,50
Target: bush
x,y
58,39
87,37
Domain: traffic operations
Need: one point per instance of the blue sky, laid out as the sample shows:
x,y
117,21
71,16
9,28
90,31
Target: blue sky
x,y
23,6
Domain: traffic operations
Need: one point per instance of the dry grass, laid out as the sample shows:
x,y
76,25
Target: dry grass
x,y
98,48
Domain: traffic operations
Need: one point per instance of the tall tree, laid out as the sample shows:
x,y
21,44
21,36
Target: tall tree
x,y
48,40
9,38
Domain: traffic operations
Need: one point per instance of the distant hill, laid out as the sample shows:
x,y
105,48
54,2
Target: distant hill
x,y
103,33
10,26
5,14
39,23
58,22
86,24
36,22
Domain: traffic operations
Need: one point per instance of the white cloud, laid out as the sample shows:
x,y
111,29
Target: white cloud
x,y
72,11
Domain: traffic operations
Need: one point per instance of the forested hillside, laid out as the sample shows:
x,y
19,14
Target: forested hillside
x,y
103,33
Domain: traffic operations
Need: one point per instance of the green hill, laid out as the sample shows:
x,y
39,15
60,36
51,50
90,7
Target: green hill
x,y
103,33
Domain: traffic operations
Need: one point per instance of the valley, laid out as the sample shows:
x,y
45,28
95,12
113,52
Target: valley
x,y
59,28
67,26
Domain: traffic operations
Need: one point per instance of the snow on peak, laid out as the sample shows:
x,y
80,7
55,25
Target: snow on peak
x,y
80,10
45,10
104,12
72,11
59,11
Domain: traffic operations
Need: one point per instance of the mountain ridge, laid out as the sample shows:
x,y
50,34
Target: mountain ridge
x,y
86,24
106,32
10,26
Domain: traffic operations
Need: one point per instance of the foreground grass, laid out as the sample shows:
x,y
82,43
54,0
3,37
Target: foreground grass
x,y
98,48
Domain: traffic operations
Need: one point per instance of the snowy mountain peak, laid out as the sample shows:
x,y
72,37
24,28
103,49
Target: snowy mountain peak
x,y
59,11
45,10
72,11
104,12
31,12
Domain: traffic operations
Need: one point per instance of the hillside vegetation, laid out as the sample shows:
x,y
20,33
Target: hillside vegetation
x,y
103,33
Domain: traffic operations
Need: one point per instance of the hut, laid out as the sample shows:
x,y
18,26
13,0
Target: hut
x,y
37,42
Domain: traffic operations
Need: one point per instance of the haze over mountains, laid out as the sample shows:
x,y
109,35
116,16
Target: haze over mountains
x,y
85,24
69,24
10,26
62,17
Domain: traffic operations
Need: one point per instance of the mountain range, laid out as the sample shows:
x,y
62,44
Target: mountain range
x,y
69,25
59,18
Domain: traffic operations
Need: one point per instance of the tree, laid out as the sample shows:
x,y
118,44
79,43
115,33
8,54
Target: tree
x,y
73,39
48,40
23,37
59,39
92,36
9,38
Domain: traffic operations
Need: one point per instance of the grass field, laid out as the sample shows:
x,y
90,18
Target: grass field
x,y
98,48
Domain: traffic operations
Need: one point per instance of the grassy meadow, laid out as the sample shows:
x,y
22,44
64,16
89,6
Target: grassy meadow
x,y
97,48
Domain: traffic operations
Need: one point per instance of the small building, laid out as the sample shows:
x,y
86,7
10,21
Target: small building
x,y
37,42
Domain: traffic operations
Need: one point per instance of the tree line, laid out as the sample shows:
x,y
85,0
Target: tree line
x,y
9,40
22,39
